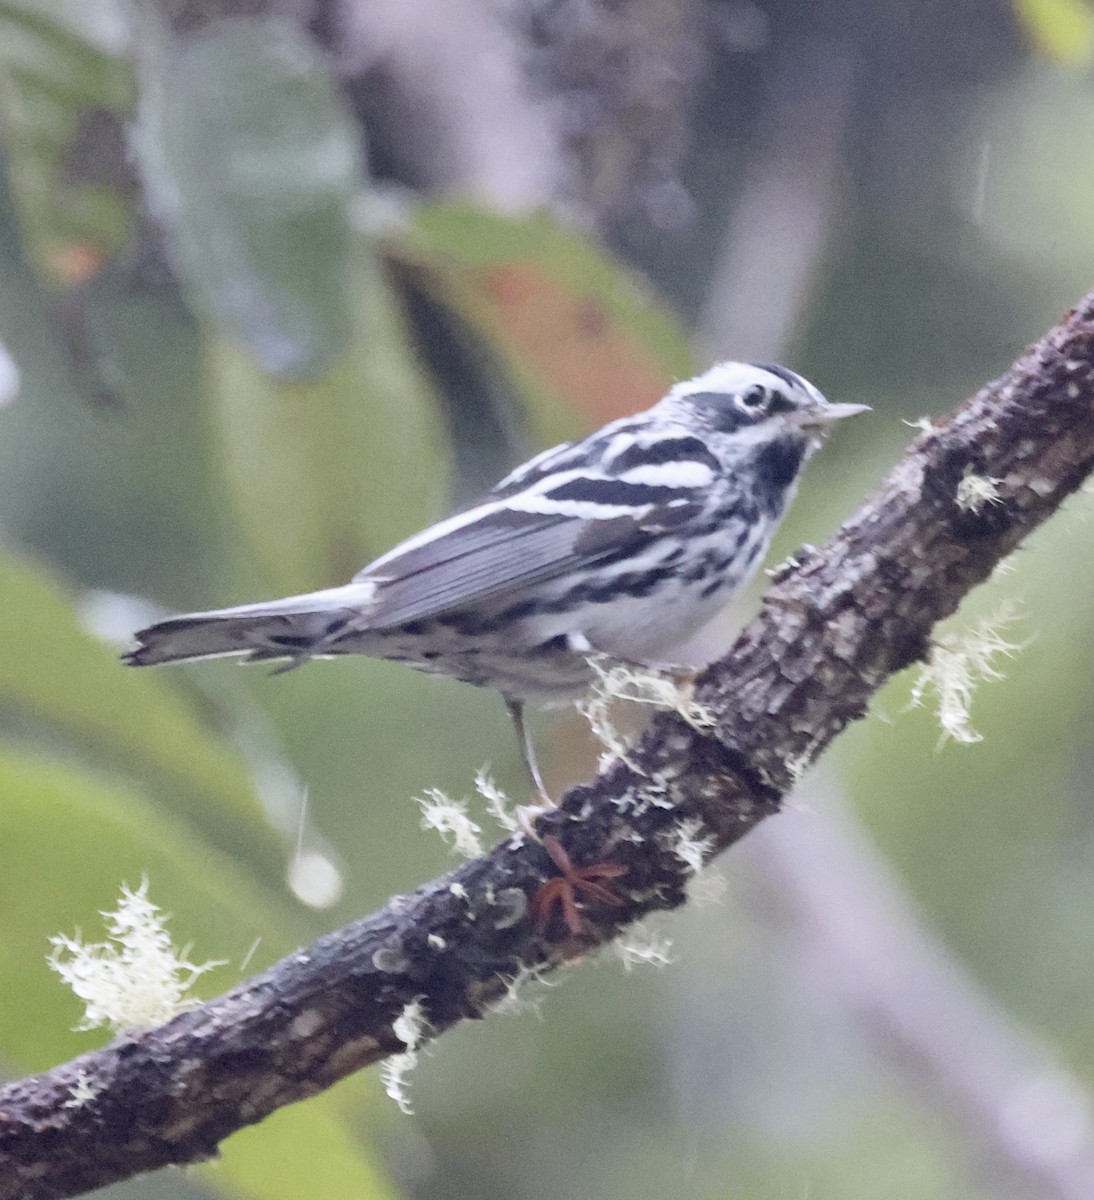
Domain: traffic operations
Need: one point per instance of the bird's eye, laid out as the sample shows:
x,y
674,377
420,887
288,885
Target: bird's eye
x,y
755,397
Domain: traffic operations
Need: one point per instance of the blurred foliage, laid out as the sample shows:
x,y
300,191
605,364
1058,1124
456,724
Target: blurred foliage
x,y
62,88
250,162
583,343
312,462
1061,29
57,682
248,363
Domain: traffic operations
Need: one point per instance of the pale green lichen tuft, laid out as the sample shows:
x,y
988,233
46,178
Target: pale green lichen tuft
x,y
642,946
957,665
134,980
82,1092
450,819
520,988
498,804
975,492
690,845
410,1027
627,682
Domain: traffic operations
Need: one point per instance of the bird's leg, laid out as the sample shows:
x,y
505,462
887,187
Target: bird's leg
x,y
527,813
527,749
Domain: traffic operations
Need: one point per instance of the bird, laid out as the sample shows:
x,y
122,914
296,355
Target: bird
x,y
619,546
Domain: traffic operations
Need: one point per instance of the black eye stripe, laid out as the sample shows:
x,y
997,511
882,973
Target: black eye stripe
x,y
781,404
728,412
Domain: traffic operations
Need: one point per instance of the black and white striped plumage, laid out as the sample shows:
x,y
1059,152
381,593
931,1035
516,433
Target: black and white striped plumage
x,y
623,544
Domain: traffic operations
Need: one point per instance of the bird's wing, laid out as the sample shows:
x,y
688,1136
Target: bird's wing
x,y
503,545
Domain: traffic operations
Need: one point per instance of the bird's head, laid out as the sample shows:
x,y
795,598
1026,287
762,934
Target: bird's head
x,y
761,420
756,402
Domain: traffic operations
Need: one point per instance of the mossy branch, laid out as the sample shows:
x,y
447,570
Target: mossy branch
x,y
830,632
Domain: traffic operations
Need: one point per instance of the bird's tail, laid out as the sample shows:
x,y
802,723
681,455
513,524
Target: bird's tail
x,y
294,628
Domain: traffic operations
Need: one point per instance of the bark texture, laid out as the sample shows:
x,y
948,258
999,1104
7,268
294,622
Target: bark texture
x,y
831,631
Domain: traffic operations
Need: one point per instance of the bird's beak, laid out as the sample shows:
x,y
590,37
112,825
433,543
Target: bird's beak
x,y
827,414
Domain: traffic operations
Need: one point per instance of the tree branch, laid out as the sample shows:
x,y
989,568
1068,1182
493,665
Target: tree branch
x,y
829,634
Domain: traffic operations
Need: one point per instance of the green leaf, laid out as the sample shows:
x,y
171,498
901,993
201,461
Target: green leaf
x,y
584,341
329,473
250,162
56,678
67,843
1062,30
305,1150
60,75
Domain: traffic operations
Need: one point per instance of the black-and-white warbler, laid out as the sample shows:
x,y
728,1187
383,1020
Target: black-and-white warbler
x,y
623,544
